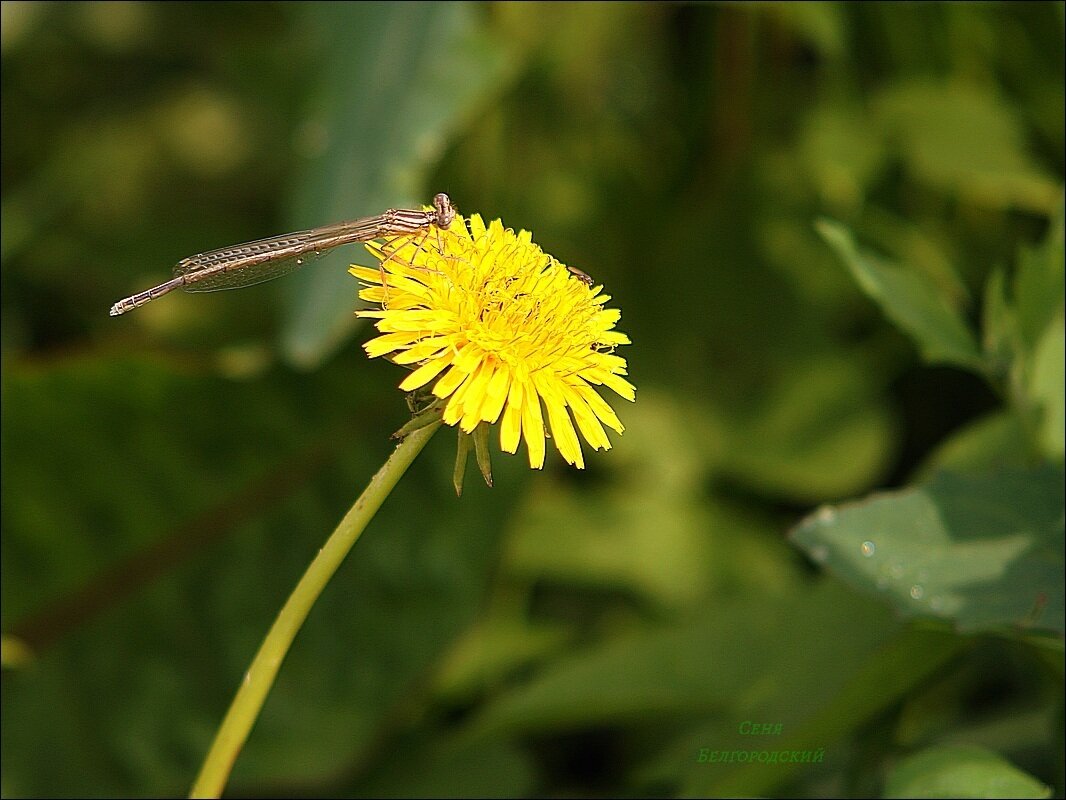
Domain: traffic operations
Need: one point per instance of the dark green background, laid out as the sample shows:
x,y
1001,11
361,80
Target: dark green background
x,y
168,474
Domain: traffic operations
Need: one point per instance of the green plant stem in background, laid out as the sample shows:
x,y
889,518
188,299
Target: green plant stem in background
x,y
260,675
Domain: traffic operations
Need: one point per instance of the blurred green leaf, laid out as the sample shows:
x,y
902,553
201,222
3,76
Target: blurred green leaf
x,y
1045,389
493,650
190,563
14,653
815,415
821,24
398,81
961,771
910,300
1024,338
983,551
939,712
642,534
923,247
450,766
842,151
1039,283
725,663
654,674
888,673
999,325
962,138
651,532
1039,289
651,544
986,443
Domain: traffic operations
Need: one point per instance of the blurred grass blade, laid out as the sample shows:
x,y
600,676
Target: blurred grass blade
x,y
398,81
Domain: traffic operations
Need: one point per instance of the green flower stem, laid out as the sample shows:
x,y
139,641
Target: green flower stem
x,y
264,668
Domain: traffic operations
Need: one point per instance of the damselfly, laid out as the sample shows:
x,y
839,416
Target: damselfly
x,y
265,259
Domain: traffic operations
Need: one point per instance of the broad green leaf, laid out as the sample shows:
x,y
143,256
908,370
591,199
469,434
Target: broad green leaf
x,y
983,551
961,771
398,81
910,300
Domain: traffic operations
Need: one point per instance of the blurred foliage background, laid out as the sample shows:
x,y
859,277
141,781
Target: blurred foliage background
x,y
835,233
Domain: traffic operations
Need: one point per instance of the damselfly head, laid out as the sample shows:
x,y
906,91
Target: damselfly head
x,y
445,210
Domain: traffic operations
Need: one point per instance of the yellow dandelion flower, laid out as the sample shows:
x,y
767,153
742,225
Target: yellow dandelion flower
x,y
506,333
